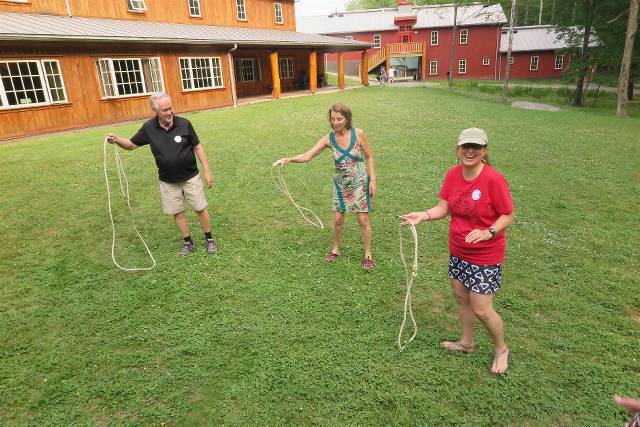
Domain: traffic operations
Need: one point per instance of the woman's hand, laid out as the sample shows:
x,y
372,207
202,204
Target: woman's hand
x,y
372,189
414,218
283,161
477,236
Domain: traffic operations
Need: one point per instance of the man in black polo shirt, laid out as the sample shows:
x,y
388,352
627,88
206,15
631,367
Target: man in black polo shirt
x,y
174,145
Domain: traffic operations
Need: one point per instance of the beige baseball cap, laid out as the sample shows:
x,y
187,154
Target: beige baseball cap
x,y
473,136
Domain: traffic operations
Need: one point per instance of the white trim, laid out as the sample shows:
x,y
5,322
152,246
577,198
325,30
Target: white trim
x,y
511,60
42,77
555,63
462,63
486,61
464,32
194,6
431,64
192,67
537,63
113,83
437,34
280,68
348,37
257,72
241,10
137,6
275,6
379,43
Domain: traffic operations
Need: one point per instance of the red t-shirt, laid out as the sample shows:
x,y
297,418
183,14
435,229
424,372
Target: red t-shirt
x,y
476,204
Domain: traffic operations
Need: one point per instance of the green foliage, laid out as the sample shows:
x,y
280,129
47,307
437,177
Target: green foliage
x,y
266,332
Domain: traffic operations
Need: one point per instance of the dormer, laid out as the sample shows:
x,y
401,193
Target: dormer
x,y
405,7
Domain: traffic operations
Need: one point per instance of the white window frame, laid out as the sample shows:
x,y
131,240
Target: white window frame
x,y
137,6
435,38
189,72
486,61
348,37
464,36
559,62
511,60
433,68
255,66
462,66
536,63
45,86
17,1
377,44
279,13
241,10
109,86
194,8
287,71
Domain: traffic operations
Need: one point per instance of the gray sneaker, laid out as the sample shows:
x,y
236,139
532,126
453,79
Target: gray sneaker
x,y
187,248
212,248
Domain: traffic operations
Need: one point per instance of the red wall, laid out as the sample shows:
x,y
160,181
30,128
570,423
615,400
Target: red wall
x,y
482,43
522,63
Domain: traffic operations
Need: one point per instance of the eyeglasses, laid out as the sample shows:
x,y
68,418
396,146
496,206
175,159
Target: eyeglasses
x,y
472,146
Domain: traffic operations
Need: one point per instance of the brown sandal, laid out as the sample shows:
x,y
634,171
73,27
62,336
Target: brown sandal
x,y
331,256
459,346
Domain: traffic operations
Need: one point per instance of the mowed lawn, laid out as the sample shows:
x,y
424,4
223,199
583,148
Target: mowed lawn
x,y
266,332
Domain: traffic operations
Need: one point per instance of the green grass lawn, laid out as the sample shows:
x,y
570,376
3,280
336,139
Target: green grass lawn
x,y
267,333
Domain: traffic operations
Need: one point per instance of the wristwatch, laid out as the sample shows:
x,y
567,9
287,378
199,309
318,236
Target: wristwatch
x,y
492,231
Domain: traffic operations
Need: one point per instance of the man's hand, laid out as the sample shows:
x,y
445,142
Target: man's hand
x,y
208,179
111,138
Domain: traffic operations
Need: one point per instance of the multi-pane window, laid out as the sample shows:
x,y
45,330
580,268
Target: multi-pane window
x,y
348,37
464,36
36,82
286,68
462,66
136,5
241,10
433,68
559,62
129,76
279,16
434,38
247,70
511,61
377,41
201,73
194,8
533,66
486,61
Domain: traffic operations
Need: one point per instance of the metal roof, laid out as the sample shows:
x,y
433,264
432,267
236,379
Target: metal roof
x,y
37,27
383,19
539,37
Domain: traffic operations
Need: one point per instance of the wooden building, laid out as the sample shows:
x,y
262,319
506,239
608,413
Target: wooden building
x,y
75,63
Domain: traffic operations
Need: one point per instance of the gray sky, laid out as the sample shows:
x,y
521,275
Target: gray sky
x,y
319,7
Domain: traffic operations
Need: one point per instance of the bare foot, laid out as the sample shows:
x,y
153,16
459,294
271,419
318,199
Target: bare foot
x,y
459,346
500,362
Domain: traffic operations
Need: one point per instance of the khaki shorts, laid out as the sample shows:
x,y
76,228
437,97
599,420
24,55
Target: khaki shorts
x,y
174,195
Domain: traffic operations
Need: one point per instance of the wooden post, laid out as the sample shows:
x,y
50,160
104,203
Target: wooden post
x,y
387,59
313,72
423,74
341,70
364,69
275,75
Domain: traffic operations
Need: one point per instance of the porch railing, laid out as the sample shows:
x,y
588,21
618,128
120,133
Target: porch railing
x,y
395,50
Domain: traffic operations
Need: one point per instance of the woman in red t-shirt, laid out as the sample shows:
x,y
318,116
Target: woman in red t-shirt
x,y
478,199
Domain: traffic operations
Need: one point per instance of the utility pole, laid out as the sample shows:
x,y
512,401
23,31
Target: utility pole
x,y
505,89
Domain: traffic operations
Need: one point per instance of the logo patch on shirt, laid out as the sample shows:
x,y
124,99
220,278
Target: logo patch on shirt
x,y
178,139
476,195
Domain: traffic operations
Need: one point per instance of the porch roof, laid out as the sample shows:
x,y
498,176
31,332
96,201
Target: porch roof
x,y
38,27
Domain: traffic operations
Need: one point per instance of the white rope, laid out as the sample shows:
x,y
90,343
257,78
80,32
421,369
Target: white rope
x,y
282,186
125,192
409,281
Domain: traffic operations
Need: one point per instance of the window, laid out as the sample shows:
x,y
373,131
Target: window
x,y
486,61
241,10
201,73
434,38
534,63
348,37
405,38
279,17
35,82
433,68
405,27
462,66
129,76
464,36
286,68
136,5
247,70
511,61
559,62
377,41
194,8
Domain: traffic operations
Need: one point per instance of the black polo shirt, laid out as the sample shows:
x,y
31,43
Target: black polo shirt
x,y
173,149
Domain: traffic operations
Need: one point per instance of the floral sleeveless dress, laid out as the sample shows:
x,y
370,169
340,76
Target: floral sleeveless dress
x,y
351,183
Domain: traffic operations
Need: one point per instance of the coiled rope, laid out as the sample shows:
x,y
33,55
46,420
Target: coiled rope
x,y
125,192
409,282
278,177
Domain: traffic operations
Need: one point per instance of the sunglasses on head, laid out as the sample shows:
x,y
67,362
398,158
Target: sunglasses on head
x,y
472,146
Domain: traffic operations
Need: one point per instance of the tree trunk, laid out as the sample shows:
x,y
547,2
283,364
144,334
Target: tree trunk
x,y
553,12
540,14
526,12
453,44
589,8
505,89
623,82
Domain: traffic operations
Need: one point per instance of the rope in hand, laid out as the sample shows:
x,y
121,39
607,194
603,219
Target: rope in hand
x,y
281,185
409,282
125,192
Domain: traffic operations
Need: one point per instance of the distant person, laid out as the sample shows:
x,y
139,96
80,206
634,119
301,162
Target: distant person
x,y
354,184
382,77
175,145
392,74
477,198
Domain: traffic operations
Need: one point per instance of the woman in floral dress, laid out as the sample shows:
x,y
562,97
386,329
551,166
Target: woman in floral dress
x,y
354,184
